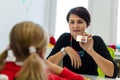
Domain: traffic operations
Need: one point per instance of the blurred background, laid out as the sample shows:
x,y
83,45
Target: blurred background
x,y
51,14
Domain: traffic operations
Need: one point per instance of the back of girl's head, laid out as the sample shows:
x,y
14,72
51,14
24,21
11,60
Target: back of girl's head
x,y
26,34
80,12
23,36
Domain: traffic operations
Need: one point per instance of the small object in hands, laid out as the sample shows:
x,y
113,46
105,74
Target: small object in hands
x,y
81,38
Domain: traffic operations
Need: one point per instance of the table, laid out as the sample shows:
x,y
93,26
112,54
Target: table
x,y
117,57
92,77
117,60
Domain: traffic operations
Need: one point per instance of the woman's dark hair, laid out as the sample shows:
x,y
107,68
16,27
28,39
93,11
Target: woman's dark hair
x,y
81,12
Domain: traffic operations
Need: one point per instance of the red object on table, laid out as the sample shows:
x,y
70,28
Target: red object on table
x,y
112,46
52,40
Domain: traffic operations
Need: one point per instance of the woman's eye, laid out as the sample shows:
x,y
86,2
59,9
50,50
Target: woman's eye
x,y
80,22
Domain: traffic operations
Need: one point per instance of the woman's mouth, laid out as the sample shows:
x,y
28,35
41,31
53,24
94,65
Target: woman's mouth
x,y
76,31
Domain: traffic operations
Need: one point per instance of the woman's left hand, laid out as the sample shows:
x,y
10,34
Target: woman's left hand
x,y
87,46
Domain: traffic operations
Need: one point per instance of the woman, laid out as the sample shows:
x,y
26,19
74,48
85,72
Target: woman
x,y
82,57
28,42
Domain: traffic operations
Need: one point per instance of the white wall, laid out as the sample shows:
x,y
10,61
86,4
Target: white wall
x,y
104,16
43,12
104,19
50,16
15,11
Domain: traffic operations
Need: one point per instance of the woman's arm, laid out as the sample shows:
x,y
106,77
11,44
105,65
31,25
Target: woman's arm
x,y
106,65
64,42
56,58
75,59
55,55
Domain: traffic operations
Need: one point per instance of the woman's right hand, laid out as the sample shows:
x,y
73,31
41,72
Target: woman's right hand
x,y
75,58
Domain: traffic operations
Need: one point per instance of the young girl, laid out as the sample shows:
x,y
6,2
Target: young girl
x,y
28,42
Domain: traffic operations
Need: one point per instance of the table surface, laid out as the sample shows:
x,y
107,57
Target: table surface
x,y
117,60
117,57
92,77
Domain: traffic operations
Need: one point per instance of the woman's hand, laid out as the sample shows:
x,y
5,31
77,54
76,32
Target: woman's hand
x,y
75,58
87,46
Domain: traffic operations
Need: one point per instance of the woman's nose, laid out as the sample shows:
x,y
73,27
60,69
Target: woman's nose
x,y
76,25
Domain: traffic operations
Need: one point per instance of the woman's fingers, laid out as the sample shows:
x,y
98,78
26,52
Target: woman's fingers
x,y
79,63
76,62
72,61
75,58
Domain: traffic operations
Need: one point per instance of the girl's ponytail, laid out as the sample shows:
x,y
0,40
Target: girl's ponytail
x,y
3,56
33,68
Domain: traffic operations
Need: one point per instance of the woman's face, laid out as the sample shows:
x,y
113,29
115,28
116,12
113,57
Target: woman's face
x,y
77,25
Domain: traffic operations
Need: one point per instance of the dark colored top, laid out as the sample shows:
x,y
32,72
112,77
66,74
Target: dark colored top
x,y
11,68
88,64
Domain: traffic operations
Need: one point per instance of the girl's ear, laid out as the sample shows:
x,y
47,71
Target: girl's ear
x,y
42,53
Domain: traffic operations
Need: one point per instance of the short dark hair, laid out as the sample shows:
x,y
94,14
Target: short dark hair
x,y
81,12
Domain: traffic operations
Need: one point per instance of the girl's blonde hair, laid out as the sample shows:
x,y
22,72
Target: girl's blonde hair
x,y
22,36
32,69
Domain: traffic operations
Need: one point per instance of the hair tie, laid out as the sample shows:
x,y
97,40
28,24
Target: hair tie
x,y
32,49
